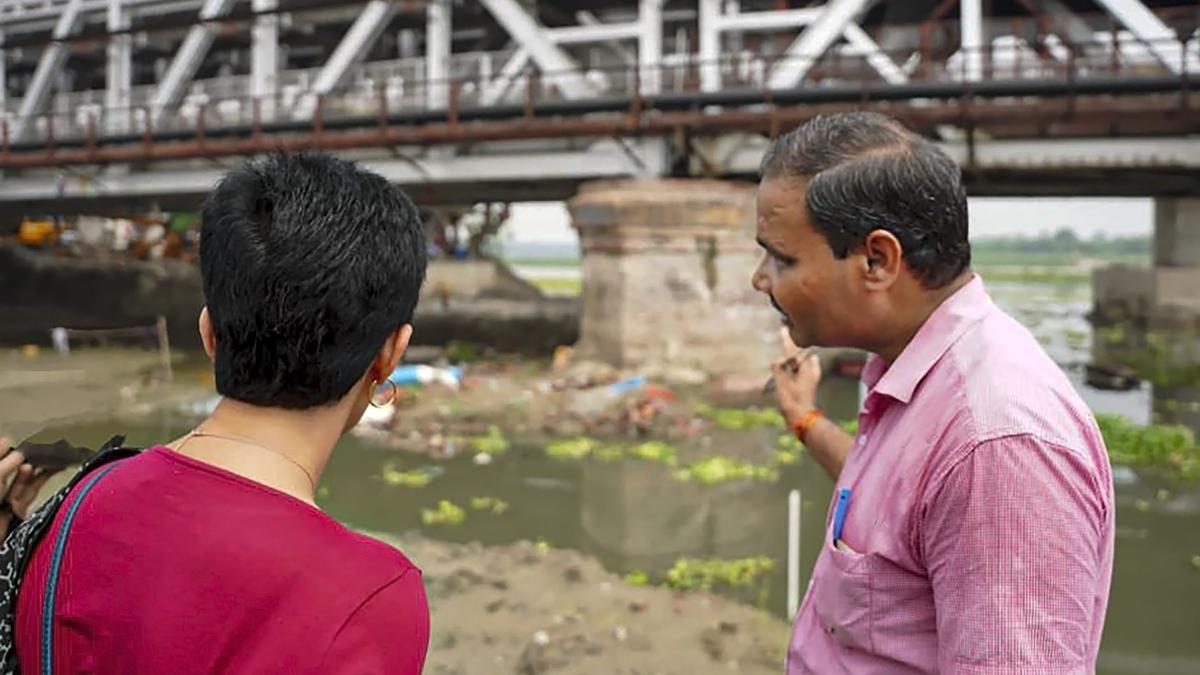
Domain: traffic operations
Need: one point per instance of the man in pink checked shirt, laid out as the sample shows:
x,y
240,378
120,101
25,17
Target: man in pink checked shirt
x,y
976,534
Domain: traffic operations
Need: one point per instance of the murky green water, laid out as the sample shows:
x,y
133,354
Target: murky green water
x,y
632,515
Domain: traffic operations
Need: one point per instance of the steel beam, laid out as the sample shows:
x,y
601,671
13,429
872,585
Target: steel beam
x,y
1150,29
264,57
768,21
497,88
592,31
971,30
557,66
118,80
51,62
610,34
187,60
437,53
806,49
3,77
710,45
650,41
881,62
354,45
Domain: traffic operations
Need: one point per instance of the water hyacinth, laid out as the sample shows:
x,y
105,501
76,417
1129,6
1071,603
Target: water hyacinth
x,y
572,448
637,578
1170,446
447,513
736,418
715,470
392,475
655,451
691,573
492,504
493,443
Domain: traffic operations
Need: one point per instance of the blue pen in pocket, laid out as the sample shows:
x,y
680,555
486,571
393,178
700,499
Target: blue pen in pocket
x,y
839,512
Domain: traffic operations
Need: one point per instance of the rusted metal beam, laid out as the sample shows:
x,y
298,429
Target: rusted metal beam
x,y
1091,117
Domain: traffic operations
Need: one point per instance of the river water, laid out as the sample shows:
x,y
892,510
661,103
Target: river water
x,y
633,516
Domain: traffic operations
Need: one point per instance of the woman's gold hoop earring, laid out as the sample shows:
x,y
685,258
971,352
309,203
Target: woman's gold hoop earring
x,y
395,389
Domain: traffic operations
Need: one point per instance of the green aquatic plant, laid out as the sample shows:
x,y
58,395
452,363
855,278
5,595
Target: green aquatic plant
x,y
446,513
392,475
493,443
493,504
639,578
609,453
741,418
655,451
572,448
1164,445
691,573
784,457
713,470
1196,561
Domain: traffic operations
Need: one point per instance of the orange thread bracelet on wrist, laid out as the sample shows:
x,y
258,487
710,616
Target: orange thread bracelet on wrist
x,y
806,423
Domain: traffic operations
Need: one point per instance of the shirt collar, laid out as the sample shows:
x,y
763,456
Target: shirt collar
x,y
942,329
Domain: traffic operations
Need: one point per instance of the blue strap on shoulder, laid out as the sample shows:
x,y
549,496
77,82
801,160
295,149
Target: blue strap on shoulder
x,y
60,544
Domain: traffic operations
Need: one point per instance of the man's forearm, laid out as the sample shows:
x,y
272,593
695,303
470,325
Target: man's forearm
x,y
829,445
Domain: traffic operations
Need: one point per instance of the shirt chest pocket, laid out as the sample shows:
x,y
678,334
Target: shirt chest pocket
x,y
842,598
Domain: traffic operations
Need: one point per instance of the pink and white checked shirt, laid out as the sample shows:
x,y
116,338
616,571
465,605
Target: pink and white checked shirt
x,y
981,517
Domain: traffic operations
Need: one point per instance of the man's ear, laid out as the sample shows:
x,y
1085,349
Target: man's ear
x,y
207,336
392,351
883,258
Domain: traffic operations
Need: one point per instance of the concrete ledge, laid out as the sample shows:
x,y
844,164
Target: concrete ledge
x,y
1151,294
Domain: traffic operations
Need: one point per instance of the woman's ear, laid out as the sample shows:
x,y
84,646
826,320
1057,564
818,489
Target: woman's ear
x,y
392,351
207,336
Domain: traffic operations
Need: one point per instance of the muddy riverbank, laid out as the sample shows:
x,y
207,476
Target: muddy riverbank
x,y
531,610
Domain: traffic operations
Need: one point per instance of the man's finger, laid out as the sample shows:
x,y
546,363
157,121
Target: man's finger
x,y
785,341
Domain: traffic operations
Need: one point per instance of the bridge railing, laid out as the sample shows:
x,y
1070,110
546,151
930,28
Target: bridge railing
x,y
379,90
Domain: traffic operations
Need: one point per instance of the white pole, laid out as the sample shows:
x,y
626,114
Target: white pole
x,y
793,570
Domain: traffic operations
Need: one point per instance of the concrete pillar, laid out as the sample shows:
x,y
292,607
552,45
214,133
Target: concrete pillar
x,y
1165,294
1177,232
666,276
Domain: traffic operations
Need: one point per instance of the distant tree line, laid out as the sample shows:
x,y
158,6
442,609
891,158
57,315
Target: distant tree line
x,y
1063,246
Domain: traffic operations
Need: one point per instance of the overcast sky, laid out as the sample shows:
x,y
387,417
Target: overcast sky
x,y
548,221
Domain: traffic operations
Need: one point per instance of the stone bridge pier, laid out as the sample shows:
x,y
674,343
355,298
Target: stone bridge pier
x,y
1149,318
1168,292
666,276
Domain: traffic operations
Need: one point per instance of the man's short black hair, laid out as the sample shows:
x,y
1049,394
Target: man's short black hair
x,y
866,172
309,263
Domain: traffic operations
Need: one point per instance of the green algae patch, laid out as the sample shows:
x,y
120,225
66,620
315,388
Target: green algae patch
x,y
417,478
705,574
493,442
1168,446
741,418
572,448
493,505
446,513
715,470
